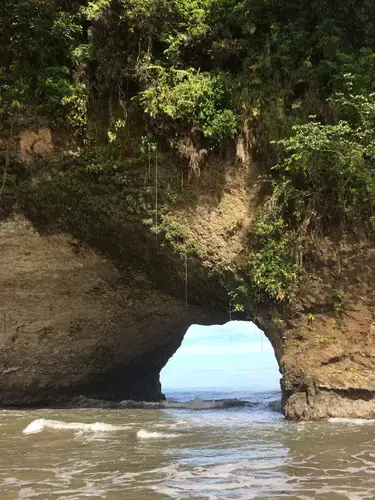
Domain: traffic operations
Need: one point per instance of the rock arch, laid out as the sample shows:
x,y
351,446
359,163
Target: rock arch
x,y
71,324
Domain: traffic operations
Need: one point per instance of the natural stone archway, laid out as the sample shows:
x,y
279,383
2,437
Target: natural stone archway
x,y
73,324
101,312
155,197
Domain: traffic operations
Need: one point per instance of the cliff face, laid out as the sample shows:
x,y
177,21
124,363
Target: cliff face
x,y
71,324
328,339
92,303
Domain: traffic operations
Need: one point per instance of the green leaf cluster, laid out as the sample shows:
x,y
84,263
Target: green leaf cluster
x,y
191,99
327,170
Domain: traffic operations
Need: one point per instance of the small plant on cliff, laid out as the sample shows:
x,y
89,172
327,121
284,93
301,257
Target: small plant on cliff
x,y
325,340
272,271
238,298
338,301
310,318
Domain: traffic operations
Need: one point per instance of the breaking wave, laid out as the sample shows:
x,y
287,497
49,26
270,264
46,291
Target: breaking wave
x,y
143,434
41,424
194,404
265,402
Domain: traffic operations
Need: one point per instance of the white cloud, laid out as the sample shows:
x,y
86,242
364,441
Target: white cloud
x,y
224,349
236,354
230,328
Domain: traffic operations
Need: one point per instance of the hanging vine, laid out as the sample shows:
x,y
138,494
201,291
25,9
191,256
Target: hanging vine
x,y
156,196
186,278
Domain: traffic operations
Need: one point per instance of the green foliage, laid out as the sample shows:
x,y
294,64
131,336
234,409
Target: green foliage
x,y
191,99
175,235
295,78
54,85
311,318
64,103
324,340
272,271
174,57
328,170
39,64
148,145
338,301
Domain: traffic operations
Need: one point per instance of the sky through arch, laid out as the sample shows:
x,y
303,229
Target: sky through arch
x,y
236,355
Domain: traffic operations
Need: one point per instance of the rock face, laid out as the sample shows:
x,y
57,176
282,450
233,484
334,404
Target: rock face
x,y
328,359
70,324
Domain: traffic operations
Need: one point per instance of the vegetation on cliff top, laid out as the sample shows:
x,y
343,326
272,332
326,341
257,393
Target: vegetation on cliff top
x,y
296,78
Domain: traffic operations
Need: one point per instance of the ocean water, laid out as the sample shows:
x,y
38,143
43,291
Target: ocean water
x,y
199,445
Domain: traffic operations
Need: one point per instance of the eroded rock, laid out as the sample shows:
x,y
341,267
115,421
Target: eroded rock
x,y
71,324
34,145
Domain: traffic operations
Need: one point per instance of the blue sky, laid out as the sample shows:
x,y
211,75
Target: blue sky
x,y
236,355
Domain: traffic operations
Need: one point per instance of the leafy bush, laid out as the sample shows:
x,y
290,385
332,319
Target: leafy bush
x,y
192,99
54,85
331,167
272,269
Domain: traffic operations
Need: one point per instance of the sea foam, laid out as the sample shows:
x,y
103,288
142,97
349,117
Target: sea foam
x,y
143,434
41,424
358,421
